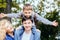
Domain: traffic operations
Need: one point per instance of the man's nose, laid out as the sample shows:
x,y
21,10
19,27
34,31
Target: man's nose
x,y
27,24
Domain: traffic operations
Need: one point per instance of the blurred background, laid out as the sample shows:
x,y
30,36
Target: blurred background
x,y
49,9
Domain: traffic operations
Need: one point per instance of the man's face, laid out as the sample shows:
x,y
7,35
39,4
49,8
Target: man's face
x,y
27,12
27,24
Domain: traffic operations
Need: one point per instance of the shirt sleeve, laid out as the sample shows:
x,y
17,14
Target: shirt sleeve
x,y
14,15
16,35
37,35
43,20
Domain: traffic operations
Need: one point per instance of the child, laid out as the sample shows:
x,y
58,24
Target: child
x,y
28,12
27,32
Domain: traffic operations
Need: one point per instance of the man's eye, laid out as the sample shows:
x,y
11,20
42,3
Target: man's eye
x,y
24,23
29,23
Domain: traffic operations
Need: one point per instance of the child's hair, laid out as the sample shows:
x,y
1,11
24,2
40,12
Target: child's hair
x,y
27,7
24,19
3,26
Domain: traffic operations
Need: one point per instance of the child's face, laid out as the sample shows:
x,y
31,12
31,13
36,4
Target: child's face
x,y
27,24
27,12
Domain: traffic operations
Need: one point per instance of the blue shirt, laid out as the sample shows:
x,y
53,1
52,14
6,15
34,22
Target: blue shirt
x,y
8,37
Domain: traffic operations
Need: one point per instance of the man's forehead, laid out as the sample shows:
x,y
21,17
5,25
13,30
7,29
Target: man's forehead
x,y
28,20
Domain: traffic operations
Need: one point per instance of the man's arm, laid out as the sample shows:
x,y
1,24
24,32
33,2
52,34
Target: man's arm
x,y
37,35
16,35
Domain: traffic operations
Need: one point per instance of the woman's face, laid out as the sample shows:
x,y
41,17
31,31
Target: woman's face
x,y
9,29
27,24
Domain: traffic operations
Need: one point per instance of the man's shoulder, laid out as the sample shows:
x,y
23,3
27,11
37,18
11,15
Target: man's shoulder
x,y
38,33
19,30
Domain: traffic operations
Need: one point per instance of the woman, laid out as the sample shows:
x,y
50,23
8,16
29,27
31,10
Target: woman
x,y
9,32
6,30
2,29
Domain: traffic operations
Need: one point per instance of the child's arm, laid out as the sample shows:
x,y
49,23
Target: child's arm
x,y
45,21
11,15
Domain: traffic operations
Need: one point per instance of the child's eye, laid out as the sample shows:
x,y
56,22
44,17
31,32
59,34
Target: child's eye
x,y
29,12
25,12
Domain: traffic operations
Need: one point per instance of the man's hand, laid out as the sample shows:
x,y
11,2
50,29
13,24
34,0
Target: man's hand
x,y
55,23
2,15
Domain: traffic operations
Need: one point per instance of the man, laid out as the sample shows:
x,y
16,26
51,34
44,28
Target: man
x,y
27,32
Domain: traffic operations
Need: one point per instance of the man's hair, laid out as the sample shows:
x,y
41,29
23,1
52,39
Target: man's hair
x,y
28,8
24,19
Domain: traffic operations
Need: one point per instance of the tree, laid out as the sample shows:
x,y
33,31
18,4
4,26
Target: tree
x,y
2,5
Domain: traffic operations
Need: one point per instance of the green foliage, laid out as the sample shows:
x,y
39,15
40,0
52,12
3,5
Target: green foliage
x,y
3,3
14,4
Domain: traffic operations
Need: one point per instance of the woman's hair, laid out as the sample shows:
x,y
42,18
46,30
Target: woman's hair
x,y
3,25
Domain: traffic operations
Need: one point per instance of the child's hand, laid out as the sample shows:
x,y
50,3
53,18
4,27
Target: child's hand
x,y
2,15
55,23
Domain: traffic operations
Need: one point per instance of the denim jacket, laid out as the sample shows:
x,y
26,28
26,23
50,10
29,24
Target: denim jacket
x,y
34,36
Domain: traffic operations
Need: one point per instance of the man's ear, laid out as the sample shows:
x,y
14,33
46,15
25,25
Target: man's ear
x,y
21,23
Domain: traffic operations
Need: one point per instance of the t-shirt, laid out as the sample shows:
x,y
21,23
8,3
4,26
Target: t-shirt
x,y
26,36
